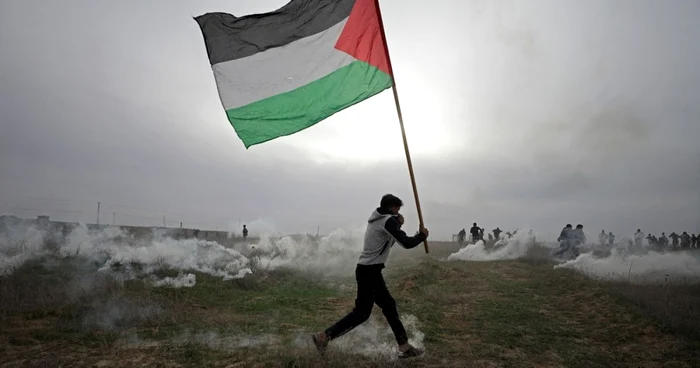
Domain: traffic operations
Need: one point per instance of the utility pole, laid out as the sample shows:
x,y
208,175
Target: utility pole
x,y
98,212
114,218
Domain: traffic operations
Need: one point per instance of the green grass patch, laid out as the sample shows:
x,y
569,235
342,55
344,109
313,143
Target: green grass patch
x,y
519,313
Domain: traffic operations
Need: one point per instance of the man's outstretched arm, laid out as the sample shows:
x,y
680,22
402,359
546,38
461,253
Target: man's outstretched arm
x,y
394,228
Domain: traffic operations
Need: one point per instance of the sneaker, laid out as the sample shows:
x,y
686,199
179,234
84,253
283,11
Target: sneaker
x,y
411,352
321,343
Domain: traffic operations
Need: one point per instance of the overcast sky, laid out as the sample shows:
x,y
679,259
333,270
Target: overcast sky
x,y
518,114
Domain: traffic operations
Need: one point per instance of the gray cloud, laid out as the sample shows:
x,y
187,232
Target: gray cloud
x,y
550,112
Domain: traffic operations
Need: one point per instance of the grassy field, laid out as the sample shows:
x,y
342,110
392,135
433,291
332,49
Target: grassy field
x,y
519,313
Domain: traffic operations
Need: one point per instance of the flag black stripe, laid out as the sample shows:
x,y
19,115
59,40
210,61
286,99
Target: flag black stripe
x,y
228,37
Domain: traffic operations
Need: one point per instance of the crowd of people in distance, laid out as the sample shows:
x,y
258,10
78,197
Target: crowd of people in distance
x,y
476,234
683,241
572,239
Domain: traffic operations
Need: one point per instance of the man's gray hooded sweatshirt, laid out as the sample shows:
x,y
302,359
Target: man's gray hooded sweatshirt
x,y
383,230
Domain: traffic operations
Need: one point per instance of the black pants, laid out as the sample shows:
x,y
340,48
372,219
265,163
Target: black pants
x,y
370,289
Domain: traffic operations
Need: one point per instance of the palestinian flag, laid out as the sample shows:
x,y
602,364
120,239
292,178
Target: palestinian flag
x,y
281,72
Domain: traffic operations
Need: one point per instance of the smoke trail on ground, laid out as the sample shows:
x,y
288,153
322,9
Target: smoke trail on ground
x,y
514,247
188,280
211,339
373,338
651,267
215,340
116,312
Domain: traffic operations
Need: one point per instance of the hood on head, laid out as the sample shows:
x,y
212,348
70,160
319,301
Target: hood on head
x,y
378,214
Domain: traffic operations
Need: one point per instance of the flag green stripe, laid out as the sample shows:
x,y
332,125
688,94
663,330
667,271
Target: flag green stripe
x,y
296,110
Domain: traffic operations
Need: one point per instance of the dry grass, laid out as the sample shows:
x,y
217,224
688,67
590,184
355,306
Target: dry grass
x,y
480,314
673,307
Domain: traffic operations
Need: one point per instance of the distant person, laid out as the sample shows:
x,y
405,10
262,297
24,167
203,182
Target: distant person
x,y
481,233
565,241
650,240
383,230
461,236
531,236
245,232
638,238
490,238
497,233
475,231
663,240
565,235
674,239
579,238
611,239
693,241
508,235
603,238
685,240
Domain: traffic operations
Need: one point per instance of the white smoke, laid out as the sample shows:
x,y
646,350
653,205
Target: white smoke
x,y
18,245
211,339
181,254
112,249
506,248
638,268
373,338
188,280
217,341
334,253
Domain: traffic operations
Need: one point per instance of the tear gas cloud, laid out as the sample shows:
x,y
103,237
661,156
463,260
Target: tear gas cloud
x,y
335,253
505,248
112,249
638,268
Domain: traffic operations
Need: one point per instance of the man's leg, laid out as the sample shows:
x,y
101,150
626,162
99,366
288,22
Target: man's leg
x,y
363,308
387,303
563,248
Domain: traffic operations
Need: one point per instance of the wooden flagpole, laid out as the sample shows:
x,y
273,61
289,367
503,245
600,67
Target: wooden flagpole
x,y
403,131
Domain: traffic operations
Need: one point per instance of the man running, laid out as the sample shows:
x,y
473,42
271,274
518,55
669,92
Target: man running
x,y
476,233
685,240
602,238
578,238
674,239
663,241
638,239
565,240
461,236
383,230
